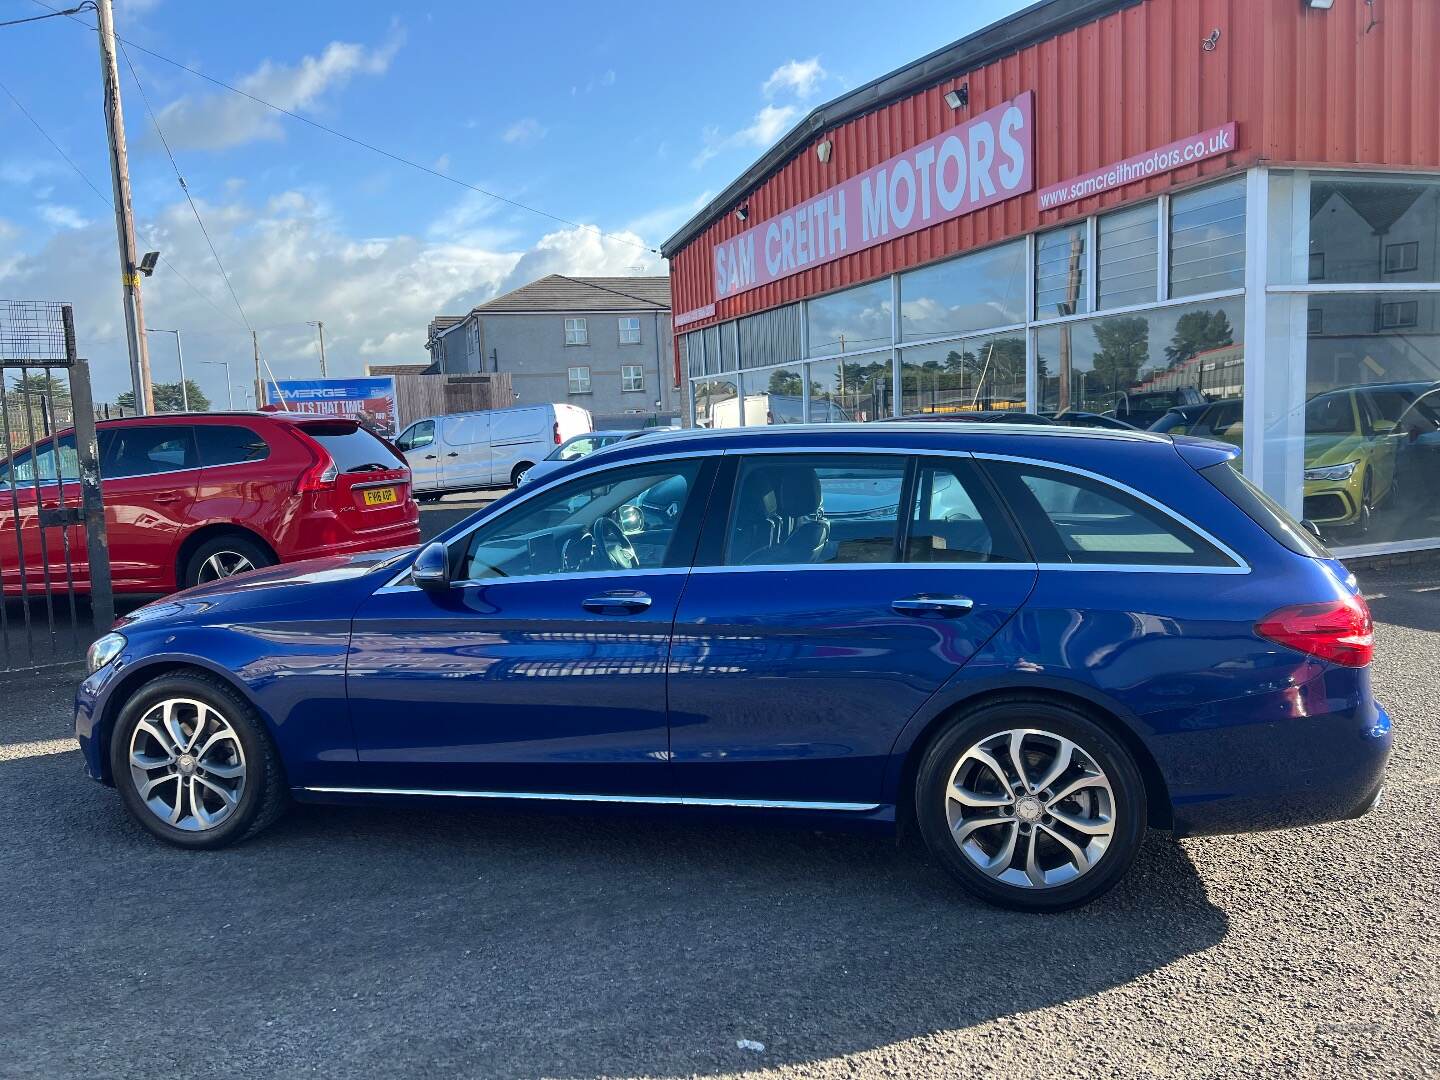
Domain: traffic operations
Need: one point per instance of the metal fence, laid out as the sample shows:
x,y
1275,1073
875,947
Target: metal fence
x,y
54,559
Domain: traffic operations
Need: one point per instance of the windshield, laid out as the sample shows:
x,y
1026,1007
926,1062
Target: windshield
x,y
1330,414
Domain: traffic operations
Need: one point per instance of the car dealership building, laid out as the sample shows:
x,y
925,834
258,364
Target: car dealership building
x,y
1228,207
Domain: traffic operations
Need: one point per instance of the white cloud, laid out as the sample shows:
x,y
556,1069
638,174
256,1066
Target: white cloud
x,y
62,217
442,163
291,263
764,128
798,77
659,223
525,130
221,120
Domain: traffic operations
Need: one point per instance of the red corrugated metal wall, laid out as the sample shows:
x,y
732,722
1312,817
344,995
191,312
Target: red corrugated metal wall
x,y
1305,86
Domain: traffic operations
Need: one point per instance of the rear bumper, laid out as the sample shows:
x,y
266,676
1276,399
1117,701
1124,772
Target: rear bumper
x,y
346,542
1298,771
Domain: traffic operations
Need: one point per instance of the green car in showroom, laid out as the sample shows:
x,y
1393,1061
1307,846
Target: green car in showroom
x,y
1352,440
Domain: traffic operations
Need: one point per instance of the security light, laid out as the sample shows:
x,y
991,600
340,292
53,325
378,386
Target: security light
x,y
823,151
148,261
742,212
1320,5
959,97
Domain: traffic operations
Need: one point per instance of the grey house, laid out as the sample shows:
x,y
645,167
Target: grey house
x,y
600,343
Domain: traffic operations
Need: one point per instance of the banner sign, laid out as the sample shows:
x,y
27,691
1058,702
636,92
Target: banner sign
x,y
1206,144
685,318
370,400
984,160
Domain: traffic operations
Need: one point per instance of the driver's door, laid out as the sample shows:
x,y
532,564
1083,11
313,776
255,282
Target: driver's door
x,y
542,669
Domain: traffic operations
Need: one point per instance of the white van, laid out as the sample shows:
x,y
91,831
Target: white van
x,y
466,451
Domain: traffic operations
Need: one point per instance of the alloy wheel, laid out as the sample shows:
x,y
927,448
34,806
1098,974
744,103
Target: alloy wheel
x,y
187,763
1030,808
223,564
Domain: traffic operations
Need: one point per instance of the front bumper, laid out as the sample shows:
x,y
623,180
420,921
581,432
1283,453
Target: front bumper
x,y
1332,502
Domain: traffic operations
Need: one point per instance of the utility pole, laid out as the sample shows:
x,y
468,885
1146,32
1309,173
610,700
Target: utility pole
x,y
259,387
124,222
179,356
321,327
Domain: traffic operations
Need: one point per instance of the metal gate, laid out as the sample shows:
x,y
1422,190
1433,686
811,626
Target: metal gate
x,y
54,560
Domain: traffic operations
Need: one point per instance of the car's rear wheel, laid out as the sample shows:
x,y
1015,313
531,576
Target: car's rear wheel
x,y
518,473
428,497
223,557
1367,504
1030,804
193,763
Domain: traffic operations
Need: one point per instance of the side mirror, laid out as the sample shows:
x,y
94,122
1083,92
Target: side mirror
x,y
431,570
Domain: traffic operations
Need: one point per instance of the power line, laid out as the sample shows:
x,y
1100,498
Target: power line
x,y
87,6
371,146
100,194
155,120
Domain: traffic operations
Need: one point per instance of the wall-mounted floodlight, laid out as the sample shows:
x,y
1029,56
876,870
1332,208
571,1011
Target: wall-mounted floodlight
x,y
147,262
959,97
1320,5
743,212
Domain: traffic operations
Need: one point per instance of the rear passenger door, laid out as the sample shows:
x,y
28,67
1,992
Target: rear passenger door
x,y
832,596
464,451
149,476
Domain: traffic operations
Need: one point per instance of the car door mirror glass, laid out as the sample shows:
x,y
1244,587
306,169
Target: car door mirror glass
x,y
431,570
631,518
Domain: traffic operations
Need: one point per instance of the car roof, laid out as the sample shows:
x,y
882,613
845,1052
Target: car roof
x,y
877,432
229,414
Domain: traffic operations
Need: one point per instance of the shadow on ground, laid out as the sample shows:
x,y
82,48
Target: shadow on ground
x,y
517,945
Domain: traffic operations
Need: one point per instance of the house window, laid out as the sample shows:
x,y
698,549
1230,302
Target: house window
x,y
1315,321
1399,314
632,377
1403,257
629,331
1317,266
472,339
579,376
576,334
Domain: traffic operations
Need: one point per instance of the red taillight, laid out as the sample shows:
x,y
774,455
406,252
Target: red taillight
x,y
557,432
1338,630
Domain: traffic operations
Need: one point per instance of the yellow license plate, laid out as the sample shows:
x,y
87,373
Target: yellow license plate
x,y
381,496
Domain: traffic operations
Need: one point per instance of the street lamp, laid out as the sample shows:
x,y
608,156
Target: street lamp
x,y
180,356
229,390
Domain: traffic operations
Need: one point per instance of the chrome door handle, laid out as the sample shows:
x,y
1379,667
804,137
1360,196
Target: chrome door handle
x,y
934,607
429,457
617,602
452,453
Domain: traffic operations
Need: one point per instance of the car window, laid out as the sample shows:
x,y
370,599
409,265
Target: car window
x,y
1330,414
1076,519
149,449
417,435
820,508
576,448
1263,510
354,449
956,519
618,520
229,444
42,460
1386,408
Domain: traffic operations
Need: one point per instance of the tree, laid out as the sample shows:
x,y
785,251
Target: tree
x,y
786,382
37,402
168,397
1197,332
1124,346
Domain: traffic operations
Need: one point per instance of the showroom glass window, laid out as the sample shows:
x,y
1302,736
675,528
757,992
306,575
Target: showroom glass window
x,y
975,291
970,374
1372,367
1207,239
1127,252
850,321
1060,273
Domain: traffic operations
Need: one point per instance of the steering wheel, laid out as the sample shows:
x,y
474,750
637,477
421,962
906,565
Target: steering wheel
x,y
611,539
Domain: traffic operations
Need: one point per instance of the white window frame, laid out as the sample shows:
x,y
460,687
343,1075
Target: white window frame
x,y
632,378
472,338
628,325
577,378
576,332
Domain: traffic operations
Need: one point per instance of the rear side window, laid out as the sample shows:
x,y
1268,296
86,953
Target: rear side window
x,y
229,444
353,448
41,463
149,449
1265,511
956,519
1069,518
815,508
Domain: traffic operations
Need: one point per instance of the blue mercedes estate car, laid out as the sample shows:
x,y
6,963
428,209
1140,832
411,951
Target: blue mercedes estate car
x,y
1025,644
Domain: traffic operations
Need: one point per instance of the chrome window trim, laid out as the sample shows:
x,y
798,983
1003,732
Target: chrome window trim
x,y
523,579
1240,565
646,800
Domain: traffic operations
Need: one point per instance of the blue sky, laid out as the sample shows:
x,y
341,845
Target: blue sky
x,y
622,117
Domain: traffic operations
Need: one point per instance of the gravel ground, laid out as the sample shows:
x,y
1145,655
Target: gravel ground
x,y
390,942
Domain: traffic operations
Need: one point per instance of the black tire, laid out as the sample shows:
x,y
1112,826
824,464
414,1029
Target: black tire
x,y
428,498
519,471
1127,813
262,797
1367,505
199,567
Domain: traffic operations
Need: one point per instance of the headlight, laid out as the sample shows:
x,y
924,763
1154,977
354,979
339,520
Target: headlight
x,y
1332,472
103,651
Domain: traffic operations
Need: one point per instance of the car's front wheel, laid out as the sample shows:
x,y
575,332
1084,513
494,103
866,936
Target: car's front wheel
x,y
1030,804
193,763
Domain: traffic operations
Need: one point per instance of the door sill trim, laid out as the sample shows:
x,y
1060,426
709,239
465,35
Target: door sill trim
x,y
644,800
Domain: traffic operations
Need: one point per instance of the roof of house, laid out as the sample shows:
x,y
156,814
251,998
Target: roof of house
x,y
1040,20
556,292
396,369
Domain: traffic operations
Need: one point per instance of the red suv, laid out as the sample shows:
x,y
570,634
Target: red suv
x,y
197,496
